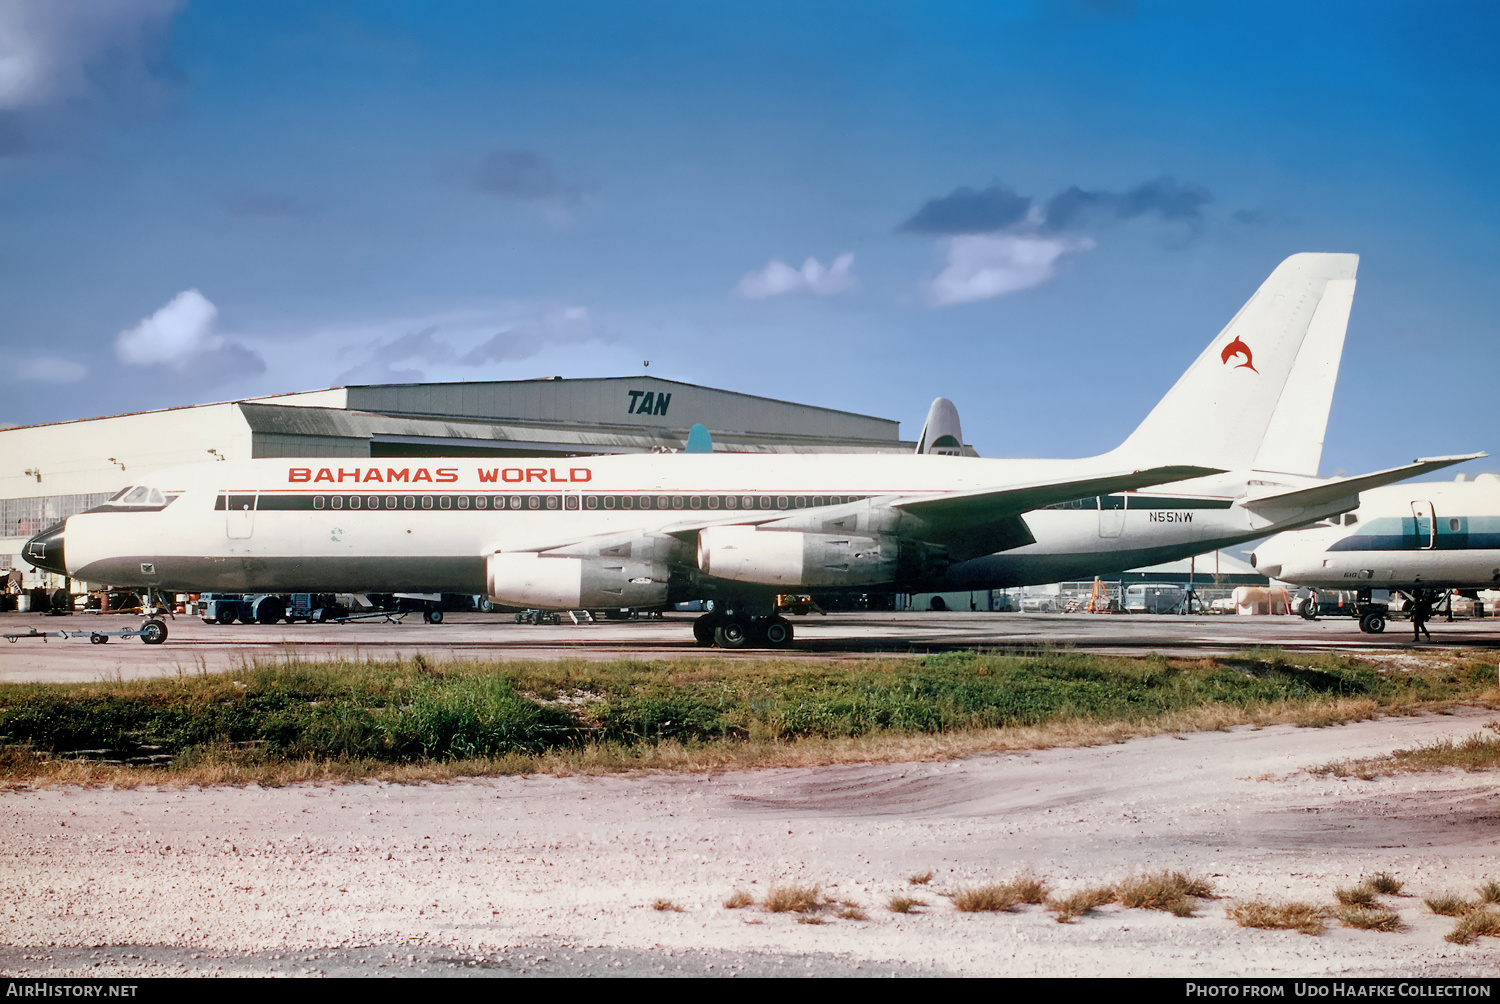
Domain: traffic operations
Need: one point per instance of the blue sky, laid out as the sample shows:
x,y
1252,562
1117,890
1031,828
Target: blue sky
x,y
1041,210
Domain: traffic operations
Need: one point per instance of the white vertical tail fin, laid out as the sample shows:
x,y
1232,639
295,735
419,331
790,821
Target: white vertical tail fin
x,y
941,433
1258,397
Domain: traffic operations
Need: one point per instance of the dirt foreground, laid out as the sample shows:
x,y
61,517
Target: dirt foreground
x,y
559,876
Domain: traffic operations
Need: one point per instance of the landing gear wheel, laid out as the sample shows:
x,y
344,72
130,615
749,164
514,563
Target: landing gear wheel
x,y
732,634
433,617
778,632
154,632
703,631
1308,610
1372,623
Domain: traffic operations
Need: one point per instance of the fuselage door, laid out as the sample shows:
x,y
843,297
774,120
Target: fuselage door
x,y
1111,515
1426,521
239,519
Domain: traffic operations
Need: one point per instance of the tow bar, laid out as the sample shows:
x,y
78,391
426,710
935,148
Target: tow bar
x,y
153,632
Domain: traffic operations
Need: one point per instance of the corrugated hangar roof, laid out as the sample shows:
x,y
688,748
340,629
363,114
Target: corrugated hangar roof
x,y
398,434
638,401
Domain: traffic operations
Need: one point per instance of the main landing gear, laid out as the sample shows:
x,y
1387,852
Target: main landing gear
x,y
733,630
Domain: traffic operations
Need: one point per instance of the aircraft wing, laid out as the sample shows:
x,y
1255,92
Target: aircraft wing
x,y
1345,488
976,523
968,523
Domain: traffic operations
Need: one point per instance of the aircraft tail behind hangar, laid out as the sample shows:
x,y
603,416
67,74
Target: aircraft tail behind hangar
x,y
1259,395
941,433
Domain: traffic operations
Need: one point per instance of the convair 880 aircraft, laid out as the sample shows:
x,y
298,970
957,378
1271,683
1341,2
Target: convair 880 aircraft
x,y
648,530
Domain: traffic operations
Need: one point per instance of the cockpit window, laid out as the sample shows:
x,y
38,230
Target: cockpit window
x,y
136,498
141,495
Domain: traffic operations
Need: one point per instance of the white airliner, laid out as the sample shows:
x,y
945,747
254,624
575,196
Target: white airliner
x,y
1414,538
651,529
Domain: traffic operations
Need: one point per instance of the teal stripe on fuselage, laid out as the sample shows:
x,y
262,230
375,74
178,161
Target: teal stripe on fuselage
x,y
1407,533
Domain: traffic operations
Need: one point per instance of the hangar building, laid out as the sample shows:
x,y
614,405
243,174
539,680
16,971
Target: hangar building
x,y
49,472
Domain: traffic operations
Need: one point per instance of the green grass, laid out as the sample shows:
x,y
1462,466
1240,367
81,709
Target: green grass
x,y
622,714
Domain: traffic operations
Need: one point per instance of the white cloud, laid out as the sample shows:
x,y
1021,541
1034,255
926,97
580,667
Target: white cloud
x,y
53,50
778,278
173,335
51,369
981,266
182,335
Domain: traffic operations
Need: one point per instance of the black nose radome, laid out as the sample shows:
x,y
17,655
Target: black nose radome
x,y
45,550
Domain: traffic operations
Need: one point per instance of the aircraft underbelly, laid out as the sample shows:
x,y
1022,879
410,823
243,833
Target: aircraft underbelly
x,y
1476,569
293,574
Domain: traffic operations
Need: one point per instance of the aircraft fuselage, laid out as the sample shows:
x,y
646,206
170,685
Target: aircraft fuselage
x,y
305,525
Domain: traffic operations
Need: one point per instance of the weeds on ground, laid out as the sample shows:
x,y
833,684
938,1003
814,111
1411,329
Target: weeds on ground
x,y
738,900
1030,889
993,898
1477,752
1449,904
851,911
997,897
1303,917
921,879
904,904
666,905
1475,924
794,898
1474,918
1164,890
1385,883
1359,896
1069,908
1368,918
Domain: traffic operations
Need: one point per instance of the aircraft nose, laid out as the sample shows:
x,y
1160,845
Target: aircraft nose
x,y
45,550
1267,563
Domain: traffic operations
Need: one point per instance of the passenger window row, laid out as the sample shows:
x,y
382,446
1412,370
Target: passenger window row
x,y
269,502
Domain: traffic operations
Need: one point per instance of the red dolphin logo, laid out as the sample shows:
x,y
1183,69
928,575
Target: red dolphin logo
x,y
1239,348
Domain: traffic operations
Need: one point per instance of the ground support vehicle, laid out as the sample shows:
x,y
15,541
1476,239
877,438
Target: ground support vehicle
x,y
152,632
267,608
1371,610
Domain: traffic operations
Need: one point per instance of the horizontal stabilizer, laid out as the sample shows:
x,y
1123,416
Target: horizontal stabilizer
x,y
1342,488
996,504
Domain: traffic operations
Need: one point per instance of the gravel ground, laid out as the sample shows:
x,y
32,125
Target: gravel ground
x,y
559,876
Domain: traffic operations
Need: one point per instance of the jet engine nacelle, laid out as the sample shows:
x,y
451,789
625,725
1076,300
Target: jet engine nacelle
x,y
795,558
527,579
